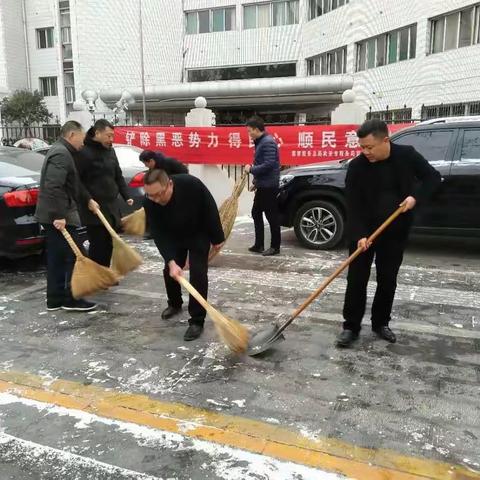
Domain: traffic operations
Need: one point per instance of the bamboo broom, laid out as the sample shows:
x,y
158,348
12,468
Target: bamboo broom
x,y
88,277
135,223
233,333
124,257
229,208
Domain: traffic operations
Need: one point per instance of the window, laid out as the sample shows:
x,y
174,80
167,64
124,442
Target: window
x,y
48,86
329,63
390,47
271,14
213,20
471,145
455,30
320,7
69,81
432,144
238,73
45,38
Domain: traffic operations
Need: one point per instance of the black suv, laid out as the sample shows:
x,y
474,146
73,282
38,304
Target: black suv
x,y
312,197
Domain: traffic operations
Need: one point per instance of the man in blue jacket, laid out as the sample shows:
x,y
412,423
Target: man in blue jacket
x,y
266,177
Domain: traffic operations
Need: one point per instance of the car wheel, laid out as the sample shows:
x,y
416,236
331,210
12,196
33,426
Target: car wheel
x,y
319,225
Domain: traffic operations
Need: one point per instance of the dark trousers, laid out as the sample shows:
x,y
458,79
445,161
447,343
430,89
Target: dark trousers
x,y
198,265
266,201
388,253
60,263
100,249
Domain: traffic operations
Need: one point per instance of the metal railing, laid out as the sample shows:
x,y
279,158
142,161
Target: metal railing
x,y
49,132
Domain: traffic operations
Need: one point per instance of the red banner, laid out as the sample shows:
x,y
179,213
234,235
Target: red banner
x,y
231,145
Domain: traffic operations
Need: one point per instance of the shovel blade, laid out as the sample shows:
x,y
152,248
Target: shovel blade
x,y
264,340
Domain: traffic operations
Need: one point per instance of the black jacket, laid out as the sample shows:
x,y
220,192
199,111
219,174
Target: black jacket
x,y
189,220
57,198
413,176
101,180
170,165
266,165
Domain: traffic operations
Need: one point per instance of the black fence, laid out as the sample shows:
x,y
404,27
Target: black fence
x,y
427,112
12,133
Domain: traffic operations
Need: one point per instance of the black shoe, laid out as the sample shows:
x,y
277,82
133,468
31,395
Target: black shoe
x,y
53,307
255,249
386,334
346,338
79,306
170,312
270,252
193,332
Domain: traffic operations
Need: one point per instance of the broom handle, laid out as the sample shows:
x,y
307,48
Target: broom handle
x,y
237,191
72,243
193,292
339,270
106,223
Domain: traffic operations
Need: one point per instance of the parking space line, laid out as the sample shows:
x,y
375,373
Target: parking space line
x,y
252,435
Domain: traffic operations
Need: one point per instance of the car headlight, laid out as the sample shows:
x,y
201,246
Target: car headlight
x,y
285,179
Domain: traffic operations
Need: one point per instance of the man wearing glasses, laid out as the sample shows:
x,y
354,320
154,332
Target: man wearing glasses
x,y
184,221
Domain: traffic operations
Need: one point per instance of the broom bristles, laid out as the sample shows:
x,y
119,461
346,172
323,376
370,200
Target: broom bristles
x,y
233,334
89,278
134,224
124,257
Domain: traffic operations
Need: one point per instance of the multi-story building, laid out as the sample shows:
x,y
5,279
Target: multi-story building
x,y
286,59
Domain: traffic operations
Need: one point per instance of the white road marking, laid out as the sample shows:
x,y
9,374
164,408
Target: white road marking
x,y
226,462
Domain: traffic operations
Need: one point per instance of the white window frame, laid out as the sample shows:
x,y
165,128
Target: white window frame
x,y
323,59
475,35
388,36
210,19
44,30
49,81
271,19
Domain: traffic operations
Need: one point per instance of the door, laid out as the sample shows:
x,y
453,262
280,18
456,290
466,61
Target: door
x,y
437,146
465,180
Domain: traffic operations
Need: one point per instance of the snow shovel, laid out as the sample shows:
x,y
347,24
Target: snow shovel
x,y
264,340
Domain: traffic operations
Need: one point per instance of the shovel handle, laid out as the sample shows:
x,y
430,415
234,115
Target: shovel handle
x,y
106,223
72,243
339,270
193,292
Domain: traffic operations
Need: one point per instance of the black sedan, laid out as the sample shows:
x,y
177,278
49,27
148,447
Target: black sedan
x,y
20,233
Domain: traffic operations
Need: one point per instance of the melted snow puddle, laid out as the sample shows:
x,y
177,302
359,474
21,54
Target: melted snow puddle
x,y
227,463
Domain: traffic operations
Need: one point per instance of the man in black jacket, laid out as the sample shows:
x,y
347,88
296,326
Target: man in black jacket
x,y
101,183
382,178
266,177
156,160
56,210
184,220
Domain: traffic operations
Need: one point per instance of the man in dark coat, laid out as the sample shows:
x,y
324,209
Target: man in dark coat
x,y
101,183
157,160
266,178
56,210
382,178
184,220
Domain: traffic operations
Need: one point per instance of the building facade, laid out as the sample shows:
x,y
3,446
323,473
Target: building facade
x,y
288,60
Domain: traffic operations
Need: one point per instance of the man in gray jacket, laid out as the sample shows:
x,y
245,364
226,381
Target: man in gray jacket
x,y
56,210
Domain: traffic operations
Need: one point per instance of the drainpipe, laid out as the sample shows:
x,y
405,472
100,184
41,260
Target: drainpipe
x,y
27,52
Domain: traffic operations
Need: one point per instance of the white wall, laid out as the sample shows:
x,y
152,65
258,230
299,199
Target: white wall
x,y
106,43
428,79
45,62
13,71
